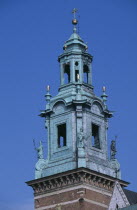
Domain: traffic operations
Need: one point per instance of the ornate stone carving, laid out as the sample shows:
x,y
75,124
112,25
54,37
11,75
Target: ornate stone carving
x,y
40,165
40,150
81,138
59,108
68,179
113,149
97,109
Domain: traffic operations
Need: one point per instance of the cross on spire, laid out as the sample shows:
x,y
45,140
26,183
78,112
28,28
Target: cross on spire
x,y
74,12
74,21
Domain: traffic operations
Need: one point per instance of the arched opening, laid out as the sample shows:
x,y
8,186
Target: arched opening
x,y
61,132
95,139
67,73
76,71
85,72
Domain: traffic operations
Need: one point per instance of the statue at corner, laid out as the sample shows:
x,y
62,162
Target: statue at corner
x,y
113,150
81,138
41,163
40,151
114,163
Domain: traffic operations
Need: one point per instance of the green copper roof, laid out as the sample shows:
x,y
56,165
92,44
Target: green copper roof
x,y
75,36
133,207
75,41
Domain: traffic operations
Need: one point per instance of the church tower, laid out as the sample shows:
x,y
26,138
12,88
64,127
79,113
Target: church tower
x,y
78,172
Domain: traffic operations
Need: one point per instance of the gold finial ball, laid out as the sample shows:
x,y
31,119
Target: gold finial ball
x,y
74,21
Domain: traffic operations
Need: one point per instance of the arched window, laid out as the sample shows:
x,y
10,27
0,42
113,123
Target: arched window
x,y
85,72
95,139
76,70
67,73
61,130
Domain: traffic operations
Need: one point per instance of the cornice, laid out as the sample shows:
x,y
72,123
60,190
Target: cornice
x,y
73,178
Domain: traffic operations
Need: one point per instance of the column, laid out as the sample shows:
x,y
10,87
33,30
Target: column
x,y
47,126
81,70
89,74
81,162
61,74
72,71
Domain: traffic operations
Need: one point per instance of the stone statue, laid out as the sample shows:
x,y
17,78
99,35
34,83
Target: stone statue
x,y
81,138
41,163
114,163
113,150
39,150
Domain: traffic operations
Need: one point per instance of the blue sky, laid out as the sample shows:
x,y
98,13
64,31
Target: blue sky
x,y
32,33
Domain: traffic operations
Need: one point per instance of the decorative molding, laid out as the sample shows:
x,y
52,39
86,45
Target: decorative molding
x,y
73,178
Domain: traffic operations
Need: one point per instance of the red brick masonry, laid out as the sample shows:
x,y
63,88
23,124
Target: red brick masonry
x,y
79,189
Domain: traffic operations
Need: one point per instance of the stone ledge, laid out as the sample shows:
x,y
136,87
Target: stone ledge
x,y
74,178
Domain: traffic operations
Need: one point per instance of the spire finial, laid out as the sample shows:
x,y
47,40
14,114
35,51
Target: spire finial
x,y
104,96
74,21
48,97
48,88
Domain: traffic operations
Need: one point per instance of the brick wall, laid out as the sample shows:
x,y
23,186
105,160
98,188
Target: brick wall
x,y
71,198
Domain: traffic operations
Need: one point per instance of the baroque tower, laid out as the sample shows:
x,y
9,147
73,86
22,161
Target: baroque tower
x,y
76,119
78,172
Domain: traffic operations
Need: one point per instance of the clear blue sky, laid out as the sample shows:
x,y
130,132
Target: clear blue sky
x,y
32,33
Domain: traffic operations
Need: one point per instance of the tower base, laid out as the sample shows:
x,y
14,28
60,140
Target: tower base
x,y
79,189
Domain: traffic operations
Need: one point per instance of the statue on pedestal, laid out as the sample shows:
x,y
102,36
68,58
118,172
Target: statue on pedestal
x,y
40,151
113,150
41,163
81,138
